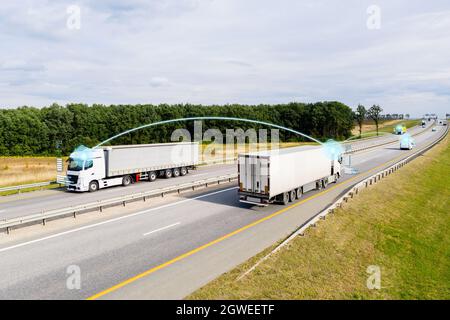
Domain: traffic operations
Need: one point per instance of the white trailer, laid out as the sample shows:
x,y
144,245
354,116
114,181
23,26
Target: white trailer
x,y
93,169
284,175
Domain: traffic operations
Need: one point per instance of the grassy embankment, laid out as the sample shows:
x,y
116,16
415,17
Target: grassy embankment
x,y
402,225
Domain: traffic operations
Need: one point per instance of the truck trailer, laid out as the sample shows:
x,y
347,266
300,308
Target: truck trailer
x,y
98,168
283,175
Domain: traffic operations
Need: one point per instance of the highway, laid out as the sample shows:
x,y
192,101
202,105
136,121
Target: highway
x,y
36,202
164,251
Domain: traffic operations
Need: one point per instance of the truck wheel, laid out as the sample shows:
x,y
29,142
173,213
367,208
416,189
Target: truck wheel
x,y
126,181
176,172
168,174
152,176
183,171
285,198
93,186
324,183
299,192
292,196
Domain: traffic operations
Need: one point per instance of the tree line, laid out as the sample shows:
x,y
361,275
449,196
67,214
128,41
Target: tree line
x,y
59,129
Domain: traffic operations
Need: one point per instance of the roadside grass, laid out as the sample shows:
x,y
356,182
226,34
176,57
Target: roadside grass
x,y
369,129
24,170
401,224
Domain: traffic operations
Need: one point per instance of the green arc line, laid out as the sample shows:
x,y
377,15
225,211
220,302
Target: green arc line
x,y
206,118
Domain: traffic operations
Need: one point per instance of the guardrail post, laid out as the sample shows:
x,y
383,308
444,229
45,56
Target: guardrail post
x,y
8,230
100,208
43,222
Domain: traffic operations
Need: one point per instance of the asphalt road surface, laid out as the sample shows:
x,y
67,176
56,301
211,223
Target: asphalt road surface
x,y
169,251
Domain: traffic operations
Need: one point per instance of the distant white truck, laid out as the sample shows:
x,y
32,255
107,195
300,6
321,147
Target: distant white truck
x,y
284,175
123,165
407,144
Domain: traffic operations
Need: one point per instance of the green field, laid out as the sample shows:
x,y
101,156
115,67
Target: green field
x,y
401,225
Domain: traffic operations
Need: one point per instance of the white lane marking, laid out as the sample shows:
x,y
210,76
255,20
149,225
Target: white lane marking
x,y
200,174
161,229
113,220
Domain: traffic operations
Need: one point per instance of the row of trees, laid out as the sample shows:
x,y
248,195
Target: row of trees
x,y
361,114
53,129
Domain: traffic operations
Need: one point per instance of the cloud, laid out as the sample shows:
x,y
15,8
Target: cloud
x,y
159,81
227,51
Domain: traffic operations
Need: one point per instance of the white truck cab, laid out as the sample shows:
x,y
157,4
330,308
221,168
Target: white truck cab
x,y
85,168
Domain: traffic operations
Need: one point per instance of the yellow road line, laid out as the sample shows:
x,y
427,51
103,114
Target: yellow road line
x,y
209,244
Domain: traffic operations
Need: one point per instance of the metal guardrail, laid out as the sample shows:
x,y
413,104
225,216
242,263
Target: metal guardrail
x,y
101,204
349,194
27,186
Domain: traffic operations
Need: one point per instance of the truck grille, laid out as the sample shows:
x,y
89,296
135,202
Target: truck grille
x,y
72,179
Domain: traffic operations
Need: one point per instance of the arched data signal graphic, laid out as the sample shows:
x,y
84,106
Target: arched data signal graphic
x,y
333,149
82,153
206,118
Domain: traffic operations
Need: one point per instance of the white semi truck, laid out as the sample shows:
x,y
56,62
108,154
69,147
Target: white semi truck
x,y
284,175
98,168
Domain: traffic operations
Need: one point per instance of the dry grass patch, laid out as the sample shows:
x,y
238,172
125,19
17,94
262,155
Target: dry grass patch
x,y
22,170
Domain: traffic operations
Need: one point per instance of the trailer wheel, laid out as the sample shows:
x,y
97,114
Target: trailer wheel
x,y
176,172
168,174
152,176
183,171
126,181
93,186
285,198
298,192
292,196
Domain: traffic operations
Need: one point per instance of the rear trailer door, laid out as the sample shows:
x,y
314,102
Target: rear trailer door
x,y
254,174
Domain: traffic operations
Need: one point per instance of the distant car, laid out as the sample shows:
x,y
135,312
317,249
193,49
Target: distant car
x,y
434,129
400,129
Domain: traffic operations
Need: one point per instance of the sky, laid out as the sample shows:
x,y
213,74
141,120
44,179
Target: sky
x,y
392,53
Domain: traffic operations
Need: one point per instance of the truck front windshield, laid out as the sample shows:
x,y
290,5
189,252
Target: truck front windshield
x,y
75,164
